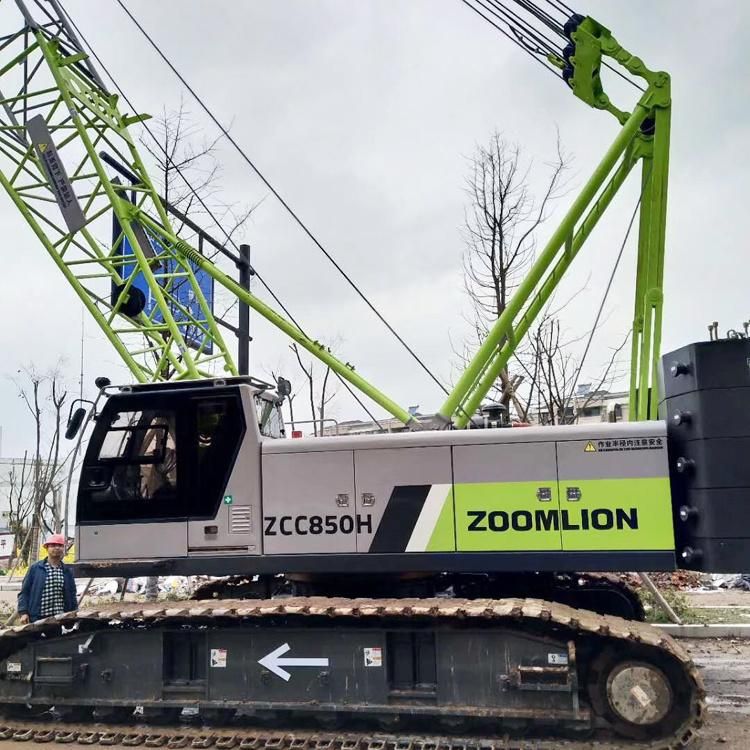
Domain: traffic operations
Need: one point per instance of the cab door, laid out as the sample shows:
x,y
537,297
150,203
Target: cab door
x,y
506,497
225,474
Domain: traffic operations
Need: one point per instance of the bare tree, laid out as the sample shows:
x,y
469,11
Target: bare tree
x,y
552,371
500,234
36,484
182,153
20,503
189,177
320,390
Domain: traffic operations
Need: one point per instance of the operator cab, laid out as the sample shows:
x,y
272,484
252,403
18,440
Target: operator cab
x,y
165,451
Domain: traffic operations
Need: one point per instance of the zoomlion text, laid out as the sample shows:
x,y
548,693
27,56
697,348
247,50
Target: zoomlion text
x,y
598,519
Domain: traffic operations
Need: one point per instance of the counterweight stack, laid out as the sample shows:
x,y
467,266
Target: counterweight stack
x,y
707,408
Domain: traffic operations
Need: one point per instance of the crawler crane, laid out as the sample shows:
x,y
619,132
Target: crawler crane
x,y
387,578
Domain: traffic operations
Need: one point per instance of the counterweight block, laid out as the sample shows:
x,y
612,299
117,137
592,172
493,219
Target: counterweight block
x,y
707,409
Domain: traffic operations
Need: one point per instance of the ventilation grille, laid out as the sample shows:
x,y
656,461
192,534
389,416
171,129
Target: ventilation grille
x,y
240,519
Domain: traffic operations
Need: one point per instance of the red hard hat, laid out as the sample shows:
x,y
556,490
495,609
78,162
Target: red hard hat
x,y
55,539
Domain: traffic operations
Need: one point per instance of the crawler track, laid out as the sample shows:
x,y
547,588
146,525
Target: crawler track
x,y
580,625
247,739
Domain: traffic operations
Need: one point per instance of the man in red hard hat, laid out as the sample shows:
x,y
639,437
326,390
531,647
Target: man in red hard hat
x,y
48,588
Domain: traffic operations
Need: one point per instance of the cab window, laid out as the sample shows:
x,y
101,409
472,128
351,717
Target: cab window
x,y
135,471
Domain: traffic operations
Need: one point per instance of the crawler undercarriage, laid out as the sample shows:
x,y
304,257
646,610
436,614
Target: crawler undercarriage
x,y
425,667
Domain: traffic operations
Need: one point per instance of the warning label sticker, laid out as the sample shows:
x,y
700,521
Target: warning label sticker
x,y
13,666
218,657
557,659
374,657
624,444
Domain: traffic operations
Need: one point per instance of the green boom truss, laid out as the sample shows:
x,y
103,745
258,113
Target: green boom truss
x,y
57,119
644,139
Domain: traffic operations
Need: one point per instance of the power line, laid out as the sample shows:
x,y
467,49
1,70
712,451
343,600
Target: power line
x,y
281,200
210,213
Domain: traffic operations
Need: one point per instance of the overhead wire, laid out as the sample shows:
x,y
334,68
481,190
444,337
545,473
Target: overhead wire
x,y
280,198
206,208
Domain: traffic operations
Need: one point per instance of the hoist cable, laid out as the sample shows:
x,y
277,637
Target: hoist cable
x,y
521,27
536,11
281,200
542,16
560,7
512,38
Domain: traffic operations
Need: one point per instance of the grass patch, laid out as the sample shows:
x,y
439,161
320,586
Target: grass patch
x,y
689,614
676,599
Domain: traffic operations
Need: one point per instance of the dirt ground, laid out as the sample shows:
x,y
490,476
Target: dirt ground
x,y
719,598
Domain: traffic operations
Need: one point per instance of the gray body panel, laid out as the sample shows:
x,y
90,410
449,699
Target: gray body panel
x,y
505,462
298,487
626,461
378,471
116,541
520,476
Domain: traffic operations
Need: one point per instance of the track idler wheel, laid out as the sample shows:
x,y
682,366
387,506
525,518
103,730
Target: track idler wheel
x,y
643,694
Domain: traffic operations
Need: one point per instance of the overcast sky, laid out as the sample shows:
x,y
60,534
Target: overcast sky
x,y
363,114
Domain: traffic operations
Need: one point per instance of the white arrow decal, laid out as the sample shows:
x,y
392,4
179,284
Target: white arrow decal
x,y
274,663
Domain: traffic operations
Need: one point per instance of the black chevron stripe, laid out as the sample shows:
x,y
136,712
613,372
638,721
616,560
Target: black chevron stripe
x,y
399,518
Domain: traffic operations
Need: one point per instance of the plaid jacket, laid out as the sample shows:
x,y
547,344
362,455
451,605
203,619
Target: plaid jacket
x,y
30,596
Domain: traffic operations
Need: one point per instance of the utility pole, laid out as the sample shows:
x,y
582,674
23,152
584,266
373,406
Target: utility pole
x,y
243,322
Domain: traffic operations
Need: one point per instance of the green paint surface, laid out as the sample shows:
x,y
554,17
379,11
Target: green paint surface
x,y
443,537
